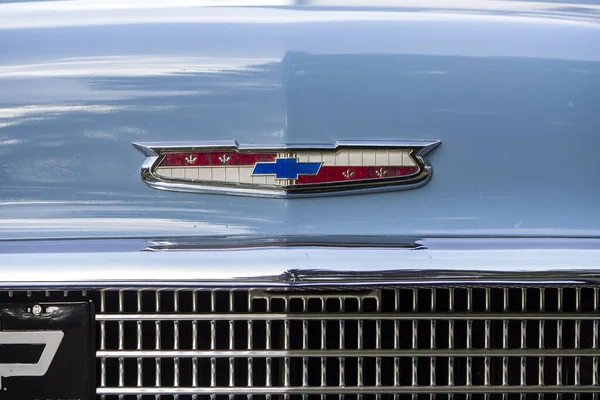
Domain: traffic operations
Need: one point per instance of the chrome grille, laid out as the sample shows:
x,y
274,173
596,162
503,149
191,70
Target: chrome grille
x,y
193,343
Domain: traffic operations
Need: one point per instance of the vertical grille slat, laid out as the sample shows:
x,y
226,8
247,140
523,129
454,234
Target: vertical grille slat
x,y
595,339
505,341
396,339
194,340
487,340
451,338
138,346
414,337
121,340
102,339
304,345
577,380
323,347
249,345
231,332
360,343
523,338
157,340
378,373
213,343
469,338
342,369
359,333
541,344
559,337
432,339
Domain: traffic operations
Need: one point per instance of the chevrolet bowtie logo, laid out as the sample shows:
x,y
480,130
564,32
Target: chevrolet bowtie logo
x,y
286,168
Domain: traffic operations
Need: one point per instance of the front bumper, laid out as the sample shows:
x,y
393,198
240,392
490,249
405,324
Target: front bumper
x,y
297,261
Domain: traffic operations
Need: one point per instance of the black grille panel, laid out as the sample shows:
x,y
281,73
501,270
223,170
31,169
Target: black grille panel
x,y
384,343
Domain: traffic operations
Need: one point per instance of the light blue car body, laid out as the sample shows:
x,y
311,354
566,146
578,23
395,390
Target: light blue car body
x,y
512,89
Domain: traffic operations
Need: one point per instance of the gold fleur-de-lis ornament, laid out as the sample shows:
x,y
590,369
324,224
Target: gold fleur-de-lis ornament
x,y
348,174
381,172
191,159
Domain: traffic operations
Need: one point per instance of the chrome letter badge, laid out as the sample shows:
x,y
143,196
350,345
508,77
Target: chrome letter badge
x,y
50,339
286,171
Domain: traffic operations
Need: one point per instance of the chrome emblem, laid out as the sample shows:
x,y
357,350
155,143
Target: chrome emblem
x,y
286,171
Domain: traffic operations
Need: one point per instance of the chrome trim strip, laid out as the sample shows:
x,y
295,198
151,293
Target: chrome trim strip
x,y
348,317
127,262
334,390
154,152
347,242
349,353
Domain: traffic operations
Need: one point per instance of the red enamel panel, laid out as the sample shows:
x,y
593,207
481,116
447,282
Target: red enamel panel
x,y
214,158
344,174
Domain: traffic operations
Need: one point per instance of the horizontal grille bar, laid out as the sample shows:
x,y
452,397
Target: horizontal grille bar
x,y
349,353
349,390
347,317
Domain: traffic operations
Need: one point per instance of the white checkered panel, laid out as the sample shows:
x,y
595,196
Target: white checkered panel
x,y
232,174
361,158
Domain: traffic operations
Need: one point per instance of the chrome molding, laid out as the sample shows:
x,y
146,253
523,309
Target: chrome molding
x,y
155,153
350,390
303,261
349,317
351,353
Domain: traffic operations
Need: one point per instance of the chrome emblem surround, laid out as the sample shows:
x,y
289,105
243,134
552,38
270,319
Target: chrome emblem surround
x,y
287,171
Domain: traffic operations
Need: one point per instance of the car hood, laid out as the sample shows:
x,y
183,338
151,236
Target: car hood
x,y
511,89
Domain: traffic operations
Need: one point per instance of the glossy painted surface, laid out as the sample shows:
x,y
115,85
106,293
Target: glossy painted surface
x,y
512,89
